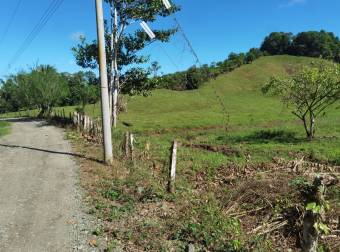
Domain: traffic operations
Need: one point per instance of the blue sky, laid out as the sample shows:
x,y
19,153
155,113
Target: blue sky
x,y
215,28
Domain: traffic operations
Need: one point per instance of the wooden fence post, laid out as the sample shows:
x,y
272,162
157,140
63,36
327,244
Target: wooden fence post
x,y
147,150
127,145
89,124
75,117
132,140
78,121
171,184
191,248
85,123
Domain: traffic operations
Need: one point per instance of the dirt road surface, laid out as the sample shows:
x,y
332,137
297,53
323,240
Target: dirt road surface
x,y
39,199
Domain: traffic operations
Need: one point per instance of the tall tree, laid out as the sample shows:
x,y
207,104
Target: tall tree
x,y
316,44
155,67
47,88
41,88
277,43
83,87
123,45
9,96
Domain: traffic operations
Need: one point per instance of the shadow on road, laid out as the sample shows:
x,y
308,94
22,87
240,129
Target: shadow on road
x,y
40,122
21,119
51,151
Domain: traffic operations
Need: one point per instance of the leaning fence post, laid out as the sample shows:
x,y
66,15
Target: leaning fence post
x,y
78,121
90,126
171,184
147,150
127,145
75,117
85,123
82,118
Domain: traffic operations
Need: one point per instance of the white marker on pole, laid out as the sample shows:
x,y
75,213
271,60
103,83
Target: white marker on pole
x,y
148,30
167,4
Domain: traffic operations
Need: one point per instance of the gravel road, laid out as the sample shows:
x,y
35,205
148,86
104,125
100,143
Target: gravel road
x,y
40,203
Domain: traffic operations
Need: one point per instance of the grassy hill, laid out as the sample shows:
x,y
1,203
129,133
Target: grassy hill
x,y
239,91
233,101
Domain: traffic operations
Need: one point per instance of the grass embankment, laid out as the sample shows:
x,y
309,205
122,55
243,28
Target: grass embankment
x,y
230,194
4,128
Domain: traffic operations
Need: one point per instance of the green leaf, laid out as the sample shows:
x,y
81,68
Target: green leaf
x,y
311,206
323,228
316,209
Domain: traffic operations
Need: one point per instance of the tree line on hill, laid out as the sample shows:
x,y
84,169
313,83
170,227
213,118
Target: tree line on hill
x,y
320,44
42,87
195,76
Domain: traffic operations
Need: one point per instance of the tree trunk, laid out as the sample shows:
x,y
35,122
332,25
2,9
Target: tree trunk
x,y
304,119
45,111
110,89
115,67
311,125
309,234
115,102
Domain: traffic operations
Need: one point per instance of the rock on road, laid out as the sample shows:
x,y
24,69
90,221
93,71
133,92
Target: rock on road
x,y
39,199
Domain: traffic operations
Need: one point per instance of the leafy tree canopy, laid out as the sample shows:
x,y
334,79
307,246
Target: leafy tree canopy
x,y
277,43
130,42
310,92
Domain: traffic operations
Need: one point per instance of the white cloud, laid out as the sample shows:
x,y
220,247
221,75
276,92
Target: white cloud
x,y
292,3
76,35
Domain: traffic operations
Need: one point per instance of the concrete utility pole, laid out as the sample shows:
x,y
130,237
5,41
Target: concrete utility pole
x,y
107,140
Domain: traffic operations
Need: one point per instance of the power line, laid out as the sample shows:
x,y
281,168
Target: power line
x,y
225,113
10,22
54,5
52,8
168,6
169,57
188,41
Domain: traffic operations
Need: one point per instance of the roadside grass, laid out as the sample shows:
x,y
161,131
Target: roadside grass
x,y
4,128
23,113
